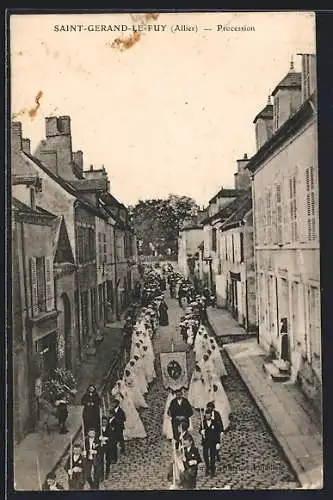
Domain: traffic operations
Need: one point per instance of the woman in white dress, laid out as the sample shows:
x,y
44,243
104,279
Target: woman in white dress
x,y
139,374
167,426
133,390
148,361
217,359
198,392
133,425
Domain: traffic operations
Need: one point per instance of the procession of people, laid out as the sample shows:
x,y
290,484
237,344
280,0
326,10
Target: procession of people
x,y
112,418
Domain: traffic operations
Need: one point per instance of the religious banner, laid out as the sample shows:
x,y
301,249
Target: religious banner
x,y
174,370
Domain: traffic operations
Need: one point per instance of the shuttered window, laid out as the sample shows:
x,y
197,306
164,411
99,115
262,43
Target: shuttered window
x,y
105,248
42,284
293,208
49,284
311,208
269,217
278,202
34,287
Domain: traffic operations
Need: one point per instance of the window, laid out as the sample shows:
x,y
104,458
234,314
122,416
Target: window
x,y
311,209
268,217
233,248
214,240
42,284
104,248
278,213
241,236
41,290
100,249
293,208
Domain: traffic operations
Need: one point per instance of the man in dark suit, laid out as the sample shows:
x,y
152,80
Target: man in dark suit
x,y
211,435
216,416
119,424
180,412
108,447
191,461
93,460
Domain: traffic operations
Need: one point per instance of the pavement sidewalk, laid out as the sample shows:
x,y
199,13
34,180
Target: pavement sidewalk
x,y
292,420
224,324
42,451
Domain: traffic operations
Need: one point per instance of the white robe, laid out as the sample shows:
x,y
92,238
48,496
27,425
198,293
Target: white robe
x,y
198,392
134,427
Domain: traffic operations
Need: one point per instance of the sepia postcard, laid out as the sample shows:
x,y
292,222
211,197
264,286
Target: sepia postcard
x,y
165,282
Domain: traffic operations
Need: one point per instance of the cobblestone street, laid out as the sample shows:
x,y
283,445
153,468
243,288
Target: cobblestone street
x,y
250,456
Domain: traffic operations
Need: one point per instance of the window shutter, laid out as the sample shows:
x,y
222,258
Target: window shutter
x,y
34,287
49,284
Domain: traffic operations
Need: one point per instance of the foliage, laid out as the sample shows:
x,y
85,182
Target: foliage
x,y
157,223
57,384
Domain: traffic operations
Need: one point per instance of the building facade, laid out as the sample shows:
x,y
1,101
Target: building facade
x,y
73,267
285,201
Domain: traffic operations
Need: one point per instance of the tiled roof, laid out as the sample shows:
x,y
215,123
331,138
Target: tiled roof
x,y
89,184
228,209
224,193
287,130
65,185
21,207
267,112
244,206
291,80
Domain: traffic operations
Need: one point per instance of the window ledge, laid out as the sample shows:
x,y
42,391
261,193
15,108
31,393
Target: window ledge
x,y
42,316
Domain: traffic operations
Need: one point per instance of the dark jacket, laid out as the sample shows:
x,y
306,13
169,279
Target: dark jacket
x,y
119,420
192,454
212,431
91,404
180,410
218,419
77,477
95,447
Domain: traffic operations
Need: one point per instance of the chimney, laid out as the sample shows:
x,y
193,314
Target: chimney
x,y
16,144
242,176
26,146
77,157
55,126
56,151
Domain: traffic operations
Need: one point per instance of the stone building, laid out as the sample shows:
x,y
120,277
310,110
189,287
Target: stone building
x,y
235,282
286,236
89,253
189,239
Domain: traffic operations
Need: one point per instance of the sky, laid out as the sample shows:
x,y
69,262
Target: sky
x,y
170,114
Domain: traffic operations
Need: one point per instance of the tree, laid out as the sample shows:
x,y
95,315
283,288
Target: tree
x,y
157,222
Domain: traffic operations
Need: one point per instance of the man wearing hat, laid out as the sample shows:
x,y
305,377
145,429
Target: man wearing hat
x,y
180,412
216,416
210,431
